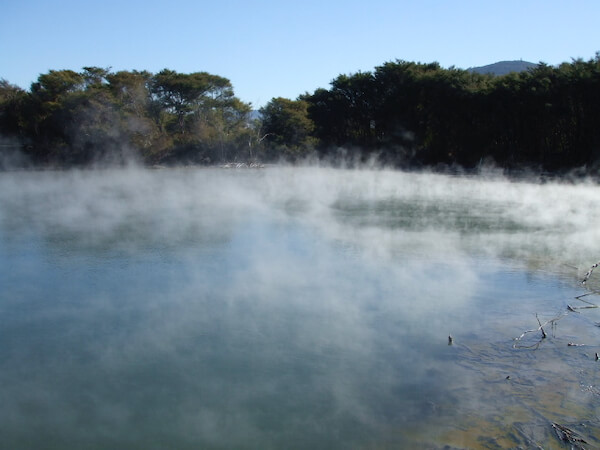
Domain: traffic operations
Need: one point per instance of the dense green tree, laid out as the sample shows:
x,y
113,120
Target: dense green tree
x,y
48,108
200,112
12,99
57,84
287,128
422,114
139,116
184,95
78,118
95,76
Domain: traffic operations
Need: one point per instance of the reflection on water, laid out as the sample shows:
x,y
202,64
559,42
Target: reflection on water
x,y
294,308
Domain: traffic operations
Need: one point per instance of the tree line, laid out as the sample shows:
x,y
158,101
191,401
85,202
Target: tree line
x,y
421,115
78,118
406,114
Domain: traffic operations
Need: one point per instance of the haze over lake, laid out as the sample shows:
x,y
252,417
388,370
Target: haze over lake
x,y
294,308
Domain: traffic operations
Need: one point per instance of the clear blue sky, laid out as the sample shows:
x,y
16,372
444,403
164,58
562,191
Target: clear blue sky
x,y
282,48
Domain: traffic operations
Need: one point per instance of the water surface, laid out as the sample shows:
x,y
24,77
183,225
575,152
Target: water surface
x,y
294,308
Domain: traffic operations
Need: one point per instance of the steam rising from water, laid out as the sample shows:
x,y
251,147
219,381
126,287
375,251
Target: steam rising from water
x,y
283,307
130,207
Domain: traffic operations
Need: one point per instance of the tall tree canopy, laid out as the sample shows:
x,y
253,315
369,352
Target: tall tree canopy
x,y
286,127
71,117
422,114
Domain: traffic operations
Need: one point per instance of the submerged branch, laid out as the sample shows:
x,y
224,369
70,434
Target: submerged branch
x,y
590,304
567,435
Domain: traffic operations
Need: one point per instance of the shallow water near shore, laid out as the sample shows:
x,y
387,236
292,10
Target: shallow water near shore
x,y
295,308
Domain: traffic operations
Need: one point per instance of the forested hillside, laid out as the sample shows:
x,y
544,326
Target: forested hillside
x,y
405,114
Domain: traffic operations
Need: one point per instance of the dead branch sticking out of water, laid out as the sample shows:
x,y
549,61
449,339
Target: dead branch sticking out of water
x,y
540,328
570,308
589,273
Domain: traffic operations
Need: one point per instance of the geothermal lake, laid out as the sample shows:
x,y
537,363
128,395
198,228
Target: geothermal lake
x,y
296,308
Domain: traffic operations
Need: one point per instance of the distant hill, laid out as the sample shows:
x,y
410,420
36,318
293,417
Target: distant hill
x,y
504,67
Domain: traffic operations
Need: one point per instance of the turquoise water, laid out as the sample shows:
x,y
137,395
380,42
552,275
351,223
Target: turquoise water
x,y
294,308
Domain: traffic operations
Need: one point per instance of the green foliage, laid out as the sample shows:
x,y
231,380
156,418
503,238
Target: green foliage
x,y
406,113
57,84
12,100
286,128
420,114
94,76
79,118
200,113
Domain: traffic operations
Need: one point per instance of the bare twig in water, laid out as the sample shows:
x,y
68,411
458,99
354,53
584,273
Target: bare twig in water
x,y
570,308
553,321
532,346
540,328
544,336
590,304
589,273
